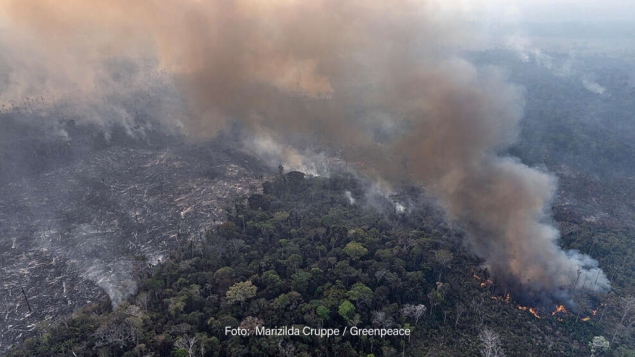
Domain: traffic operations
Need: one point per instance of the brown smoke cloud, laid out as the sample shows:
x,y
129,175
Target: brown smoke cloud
x,y
345,71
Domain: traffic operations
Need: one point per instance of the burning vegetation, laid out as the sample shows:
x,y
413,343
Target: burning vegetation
x,y
559,312
559,309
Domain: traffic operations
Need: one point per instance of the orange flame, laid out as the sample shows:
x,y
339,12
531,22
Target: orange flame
x,y
506,298
586,319
561,309
489,281
483,284
594,312
531,309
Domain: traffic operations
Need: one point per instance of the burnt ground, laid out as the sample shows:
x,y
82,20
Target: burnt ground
x,y
74,234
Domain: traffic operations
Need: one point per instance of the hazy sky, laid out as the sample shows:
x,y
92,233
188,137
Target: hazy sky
x,y
545,10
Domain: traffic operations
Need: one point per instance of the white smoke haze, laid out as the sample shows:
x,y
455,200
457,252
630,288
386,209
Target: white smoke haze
x,y
522,45
378,82
378,195
275,153
115,279
524,49
349,197
543,10
593,86
81,83
115,276
527,53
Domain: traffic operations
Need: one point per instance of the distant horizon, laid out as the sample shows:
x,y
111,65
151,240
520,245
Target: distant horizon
x,y
511,11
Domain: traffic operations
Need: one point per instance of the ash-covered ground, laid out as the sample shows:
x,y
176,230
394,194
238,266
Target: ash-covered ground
x,y
76,219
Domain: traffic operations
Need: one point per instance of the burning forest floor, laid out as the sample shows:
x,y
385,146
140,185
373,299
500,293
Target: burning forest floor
x,y
73,234
543,310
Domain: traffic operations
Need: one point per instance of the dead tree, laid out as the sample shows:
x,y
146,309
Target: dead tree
x,y
576,280
414,311
27,300
380,319
187,343
460,309
628,307
490,343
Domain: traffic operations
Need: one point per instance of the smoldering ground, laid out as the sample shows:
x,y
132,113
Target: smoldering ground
x,y
378,82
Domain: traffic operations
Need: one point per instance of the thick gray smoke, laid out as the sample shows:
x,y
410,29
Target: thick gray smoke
x,y
377,81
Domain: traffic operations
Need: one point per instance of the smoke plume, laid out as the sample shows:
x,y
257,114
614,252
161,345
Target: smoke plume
x,y
378,81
